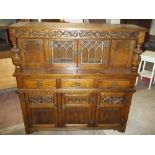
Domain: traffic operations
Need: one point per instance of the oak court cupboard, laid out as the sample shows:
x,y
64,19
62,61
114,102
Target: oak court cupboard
x,y
75,75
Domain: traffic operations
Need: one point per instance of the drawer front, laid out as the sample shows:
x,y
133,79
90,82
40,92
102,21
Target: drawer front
x,y
114,83
39,83
77,83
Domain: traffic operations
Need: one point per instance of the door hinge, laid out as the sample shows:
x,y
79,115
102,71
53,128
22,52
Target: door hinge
x,y
93,99
125,99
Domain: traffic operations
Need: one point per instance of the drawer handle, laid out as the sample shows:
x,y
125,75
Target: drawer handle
x,y
114,85
76,84
39,84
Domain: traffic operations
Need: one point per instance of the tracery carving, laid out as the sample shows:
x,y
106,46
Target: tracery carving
x,y
92,51
112,99
61,51
41,99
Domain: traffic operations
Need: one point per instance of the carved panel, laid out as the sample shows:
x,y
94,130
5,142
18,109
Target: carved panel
x,y
41,100
112,99
74,34
76,108
77,100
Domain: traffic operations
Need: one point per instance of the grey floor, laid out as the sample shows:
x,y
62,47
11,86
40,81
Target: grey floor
x,y
141,119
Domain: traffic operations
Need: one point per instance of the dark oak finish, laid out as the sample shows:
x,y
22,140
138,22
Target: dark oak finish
x,y
75,75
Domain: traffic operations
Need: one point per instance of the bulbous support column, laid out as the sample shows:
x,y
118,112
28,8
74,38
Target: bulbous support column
x,y
136,58
16,59
15,52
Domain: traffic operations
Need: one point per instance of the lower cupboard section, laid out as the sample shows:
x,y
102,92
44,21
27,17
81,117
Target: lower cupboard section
x,y
42,117
48,110
109,116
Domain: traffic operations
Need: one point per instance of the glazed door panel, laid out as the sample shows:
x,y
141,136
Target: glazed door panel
x,y
110,108
42,109
61,52
76,109
93,52
121,53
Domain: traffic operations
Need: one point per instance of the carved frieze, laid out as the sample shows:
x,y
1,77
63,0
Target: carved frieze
x,y
74,34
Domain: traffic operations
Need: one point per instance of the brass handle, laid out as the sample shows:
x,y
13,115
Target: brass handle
x,y
76,84
114,85
39,84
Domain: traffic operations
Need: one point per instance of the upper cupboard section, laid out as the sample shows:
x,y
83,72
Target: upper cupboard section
x,y
76,52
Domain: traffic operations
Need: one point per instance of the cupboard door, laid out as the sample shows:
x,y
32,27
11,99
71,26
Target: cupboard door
x,y
121,53
42,109
42,116
76,109
110,108
61,52
32,52
93,52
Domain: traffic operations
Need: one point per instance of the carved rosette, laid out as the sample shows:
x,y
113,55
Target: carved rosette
x,y
74,34
136,58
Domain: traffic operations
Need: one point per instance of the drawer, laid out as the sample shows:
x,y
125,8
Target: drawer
x,y
77,83
39,83
114,83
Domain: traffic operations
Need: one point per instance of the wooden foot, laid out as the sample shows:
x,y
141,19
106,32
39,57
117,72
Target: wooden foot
x,y
28,131
121,129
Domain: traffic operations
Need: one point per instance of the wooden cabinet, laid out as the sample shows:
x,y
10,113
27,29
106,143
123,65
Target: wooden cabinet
x,y
75,75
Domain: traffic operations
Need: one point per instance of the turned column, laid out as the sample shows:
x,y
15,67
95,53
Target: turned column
x,y
16,58
137,52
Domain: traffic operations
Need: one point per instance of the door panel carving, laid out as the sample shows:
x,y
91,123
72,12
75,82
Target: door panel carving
x,y
110,108
42,108
76,108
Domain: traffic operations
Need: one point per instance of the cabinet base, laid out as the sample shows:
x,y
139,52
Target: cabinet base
x,y
31,130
